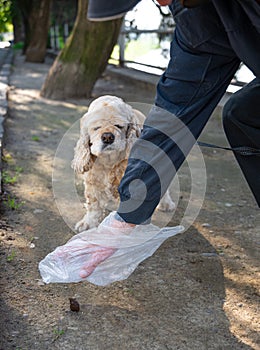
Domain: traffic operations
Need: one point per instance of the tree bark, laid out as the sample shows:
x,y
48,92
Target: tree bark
x,y
83,58
37,30
18,29
17,20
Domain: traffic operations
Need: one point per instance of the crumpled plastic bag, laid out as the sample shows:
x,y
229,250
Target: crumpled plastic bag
x,y
132,246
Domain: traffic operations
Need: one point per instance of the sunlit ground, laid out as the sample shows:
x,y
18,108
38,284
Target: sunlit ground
x,y
4,44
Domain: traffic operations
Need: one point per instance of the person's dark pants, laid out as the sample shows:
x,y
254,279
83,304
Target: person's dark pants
x,y
197,77
241,120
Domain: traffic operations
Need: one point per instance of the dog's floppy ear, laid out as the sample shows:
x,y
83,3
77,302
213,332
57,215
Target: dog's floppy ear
x,y
83,159
135,127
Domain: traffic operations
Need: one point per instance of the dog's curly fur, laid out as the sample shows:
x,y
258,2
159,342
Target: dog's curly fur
x,y
107,133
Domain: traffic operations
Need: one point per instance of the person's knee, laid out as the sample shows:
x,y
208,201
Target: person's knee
x,y
233,112
242,109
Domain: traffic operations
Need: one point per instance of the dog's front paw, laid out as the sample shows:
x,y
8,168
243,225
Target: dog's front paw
x,y
82,225
166,203
90,220
166,206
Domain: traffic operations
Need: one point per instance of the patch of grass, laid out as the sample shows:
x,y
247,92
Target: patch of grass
x,y
136,48
12,203
11,257
8,178
57,333
18,169
18,46
7,158
35,138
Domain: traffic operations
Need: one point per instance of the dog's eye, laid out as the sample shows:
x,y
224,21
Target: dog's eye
x,y
119,126
96,128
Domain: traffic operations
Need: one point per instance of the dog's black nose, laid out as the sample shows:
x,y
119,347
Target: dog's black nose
x,y
108,138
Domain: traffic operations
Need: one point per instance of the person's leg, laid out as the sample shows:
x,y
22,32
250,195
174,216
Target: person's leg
x,y
241,120
187,93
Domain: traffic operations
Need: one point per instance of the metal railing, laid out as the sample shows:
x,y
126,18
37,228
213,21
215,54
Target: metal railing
x,y
59,35
122,44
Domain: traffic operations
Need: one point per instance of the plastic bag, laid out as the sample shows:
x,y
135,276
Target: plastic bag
x,y
130,246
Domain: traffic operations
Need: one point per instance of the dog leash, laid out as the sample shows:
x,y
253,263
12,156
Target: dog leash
x,y
242,150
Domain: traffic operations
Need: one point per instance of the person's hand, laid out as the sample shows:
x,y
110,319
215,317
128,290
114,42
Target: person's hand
x,y
98,253
164,2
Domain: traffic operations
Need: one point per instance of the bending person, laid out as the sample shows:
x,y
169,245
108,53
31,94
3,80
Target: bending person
x,y
209,43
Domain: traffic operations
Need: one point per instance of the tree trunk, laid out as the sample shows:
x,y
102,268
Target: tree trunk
x,y
37,33
18,29
22,8
83,58
17,20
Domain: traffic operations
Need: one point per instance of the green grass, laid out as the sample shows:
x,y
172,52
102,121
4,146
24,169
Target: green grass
x,y
18,46
139,47
11,257
35,138
12,203
8,178
57,333
136,48
18,169
7,158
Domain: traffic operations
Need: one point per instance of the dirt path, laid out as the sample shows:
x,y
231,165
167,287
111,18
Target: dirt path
x,y
199,291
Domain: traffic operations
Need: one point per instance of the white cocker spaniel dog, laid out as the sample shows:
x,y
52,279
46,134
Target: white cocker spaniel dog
x,y
107,133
